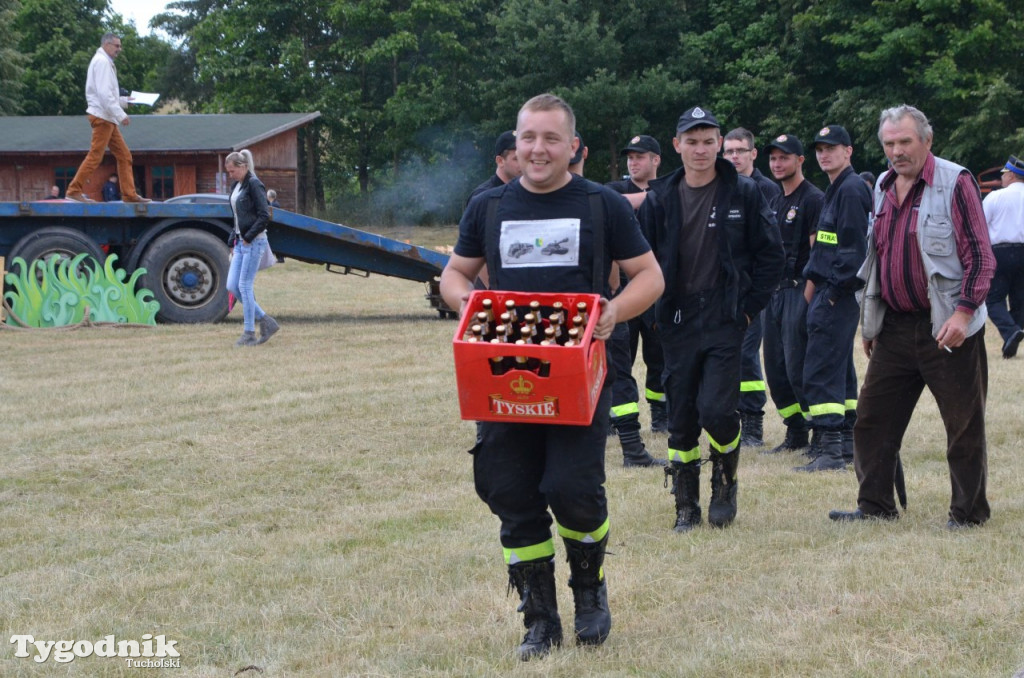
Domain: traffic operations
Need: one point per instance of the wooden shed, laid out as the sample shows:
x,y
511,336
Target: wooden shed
x,y
172,154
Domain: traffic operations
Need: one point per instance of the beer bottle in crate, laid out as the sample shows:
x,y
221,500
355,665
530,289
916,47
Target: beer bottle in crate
x,y
473,333
581,311
499,364
558,308
529,329
488,305
555,325
510,308
484,323
522,362
544,365
525,362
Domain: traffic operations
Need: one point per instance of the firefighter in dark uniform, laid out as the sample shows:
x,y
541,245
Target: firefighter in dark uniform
x,y
524,470
625,413
833,312
643,158
506,166
739,149
785,326
719,249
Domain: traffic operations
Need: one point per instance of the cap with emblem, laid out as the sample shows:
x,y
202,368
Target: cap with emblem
x,y
642,144
1015,165
787,143
506,142
834,135
695,117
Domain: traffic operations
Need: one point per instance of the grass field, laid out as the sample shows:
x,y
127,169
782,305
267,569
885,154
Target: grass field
x,y
306,508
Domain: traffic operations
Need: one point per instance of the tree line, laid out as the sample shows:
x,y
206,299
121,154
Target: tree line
x,y
414,93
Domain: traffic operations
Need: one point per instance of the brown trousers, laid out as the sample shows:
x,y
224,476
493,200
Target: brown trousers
x,y
905,359
105,134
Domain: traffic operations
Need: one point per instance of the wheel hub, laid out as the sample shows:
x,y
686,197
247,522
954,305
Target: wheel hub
x,y
189,281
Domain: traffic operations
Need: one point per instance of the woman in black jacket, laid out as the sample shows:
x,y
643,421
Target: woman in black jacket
x,y
249,243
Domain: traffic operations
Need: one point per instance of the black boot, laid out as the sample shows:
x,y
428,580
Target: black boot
x,y
638,456
831,456
589,591
751,430
851,419
634,453
722,509
535,583
686,487
796,437
814,451
659,416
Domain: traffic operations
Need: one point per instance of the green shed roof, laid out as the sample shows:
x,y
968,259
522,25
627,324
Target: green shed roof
x,y
148,133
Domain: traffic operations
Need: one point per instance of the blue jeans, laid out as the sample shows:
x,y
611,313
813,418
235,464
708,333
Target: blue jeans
x,y
245,262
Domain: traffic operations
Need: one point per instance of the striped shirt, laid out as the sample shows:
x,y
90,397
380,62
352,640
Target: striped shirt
x,y
904,285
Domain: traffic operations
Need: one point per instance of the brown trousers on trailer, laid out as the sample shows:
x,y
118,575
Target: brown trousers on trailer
x,y
105,134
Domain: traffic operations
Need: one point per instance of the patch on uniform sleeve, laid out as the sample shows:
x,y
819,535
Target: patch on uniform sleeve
x,y
543,242
827,238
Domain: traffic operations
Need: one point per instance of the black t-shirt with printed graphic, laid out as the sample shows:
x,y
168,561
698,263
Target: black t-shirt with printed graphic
x,y
545,240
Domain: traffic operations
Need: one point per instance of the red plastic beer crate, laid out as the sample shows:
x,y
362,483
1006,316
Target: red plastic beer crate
x,y
568,395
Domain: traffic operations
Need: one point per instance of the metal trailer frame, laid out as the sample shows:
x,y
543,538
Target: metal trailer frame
x,y
180,240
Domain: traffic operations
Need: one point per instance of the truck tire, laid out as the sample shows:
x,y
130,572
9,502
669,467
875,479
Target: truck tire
x,y
60,240
186,270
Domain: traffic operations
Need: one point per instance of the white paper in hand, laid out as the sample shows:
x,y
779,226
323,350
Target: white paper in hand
x,y
145,98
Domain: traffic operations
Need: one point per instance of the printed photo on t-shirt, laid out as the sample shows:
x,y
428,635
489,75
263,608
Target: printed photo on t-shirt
x,y
542,242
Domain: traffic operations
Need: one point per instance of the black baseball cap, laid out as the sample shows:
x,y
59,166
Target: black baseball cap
x,y
833,135
695,117
579,151
787,143
642,144
506,142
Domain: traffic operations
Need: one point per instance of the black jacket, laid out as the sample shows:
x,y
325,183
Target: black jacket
x,y
493,181
750,253
251,209
772,191
841,244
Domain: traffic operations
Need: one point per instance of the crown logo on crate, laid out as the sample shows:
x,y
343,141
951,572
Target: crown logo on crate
x,y
521,386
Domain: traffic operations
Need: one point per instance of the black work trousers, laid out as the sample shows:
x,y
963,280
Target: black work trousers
x,y
785,346
828,364
520,470
906,358
702,373
620,372
642,328
752,390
